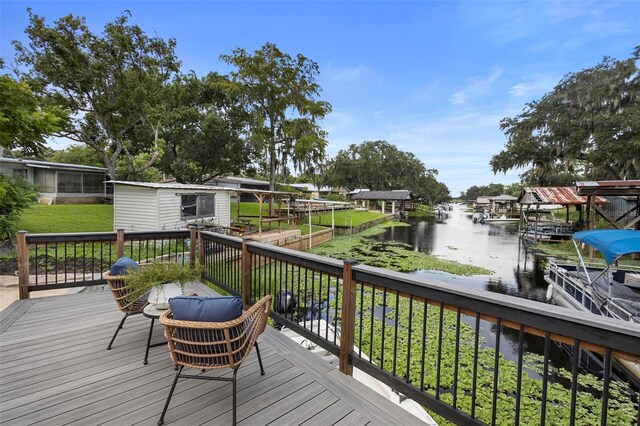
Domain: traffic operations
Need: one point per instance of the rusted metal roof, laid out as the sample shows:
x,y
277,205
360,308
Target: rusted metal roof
x,y
609,183
562,195
609,187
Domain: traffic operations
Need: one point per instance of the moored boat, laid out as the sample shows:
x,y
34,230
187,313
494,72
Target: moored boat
x,y
501,220
548,231
610,292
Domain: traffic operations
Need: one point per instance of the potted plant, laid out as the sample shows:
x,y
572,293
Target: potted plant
x,y
162,280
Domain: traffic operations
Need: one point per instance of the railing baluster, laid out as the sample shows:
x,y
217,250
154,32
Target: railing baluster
x,y
46,263
395,334
55,264
410,320
424,342
65,263
299,279
361,315
313,282
574,381
605,387
335,309
335,312
519,378
384,323
496,368
545,377
456,360
475,366
306,279
373,299
75,261
439,359
84,260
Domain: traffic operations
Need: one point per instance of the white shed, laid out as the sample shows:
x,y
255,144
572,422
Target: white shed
x,y
144,206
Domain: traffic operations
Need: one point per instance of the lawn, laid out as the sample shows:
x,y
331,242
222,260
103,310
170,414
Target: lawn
x,y
40,219
342,218
346,217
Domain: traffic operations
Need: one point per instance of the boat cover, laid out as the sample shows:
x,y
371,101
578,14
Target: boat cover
x,y
612,243
616,297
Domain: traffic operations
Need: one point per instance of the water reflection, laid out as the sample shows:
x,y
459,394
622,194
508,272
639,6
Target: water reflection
x,y
457,238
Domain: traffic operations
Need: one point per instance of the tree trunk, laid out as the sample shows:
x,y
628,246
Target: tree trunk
x,y
272,175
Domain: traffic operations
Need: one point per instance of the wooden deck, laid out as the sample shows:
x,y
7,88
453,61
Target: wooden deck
x,y
55,369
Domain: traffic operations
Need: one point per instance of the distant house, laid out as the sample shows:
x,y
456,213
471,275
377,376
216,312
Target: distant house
x,y
143,206
483,201
317,192
60,183
350,194
400,197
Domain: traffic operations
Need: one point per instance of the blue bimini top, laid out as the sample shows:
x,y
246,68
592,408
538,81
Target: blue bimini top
x,y
612,243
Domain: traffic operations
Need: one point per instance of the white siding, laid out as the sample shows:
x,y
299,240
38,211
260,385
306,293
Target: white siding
x,y
135,208
223,208
169,209
169,213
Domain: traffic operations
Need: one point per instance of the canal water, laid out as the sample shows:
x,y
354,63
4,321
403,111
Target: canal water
x,y
495,247
498,248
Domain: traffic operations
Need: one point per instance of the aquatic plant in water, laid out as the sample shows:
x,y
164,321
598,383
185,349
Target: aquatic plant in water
x,y
389,255
400,335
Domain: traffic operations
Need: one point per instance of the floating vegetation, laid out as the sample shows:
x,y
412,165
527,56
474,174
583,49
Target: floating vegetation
x,y
395,256
438,350
403,350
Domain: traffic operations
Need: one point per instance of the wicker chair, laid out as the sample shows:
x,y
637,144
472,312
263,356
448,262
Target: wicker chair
x,y
121,293
213,345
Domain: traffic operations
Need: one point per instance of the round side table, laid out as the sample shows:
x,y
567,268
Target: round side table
x,y
151,312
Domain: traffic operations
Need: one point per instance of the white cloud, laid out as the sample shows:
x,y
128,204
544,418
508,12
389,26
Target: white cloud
x,y
476,86
347,74
534,86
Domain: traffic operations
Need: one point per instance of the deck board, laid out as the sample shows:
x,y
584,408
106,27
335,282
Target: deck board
x,y
55,369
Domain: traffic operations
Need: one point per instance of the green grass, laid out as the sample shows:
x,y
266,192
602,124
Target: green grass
x,y
349,218
421,211
318,221
40,219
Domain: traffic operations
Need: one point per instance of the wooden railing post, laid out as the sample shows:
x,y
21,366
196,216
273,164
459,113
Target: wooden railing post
x,y
348,321
246,273
23,265
201,250
120,243
192,246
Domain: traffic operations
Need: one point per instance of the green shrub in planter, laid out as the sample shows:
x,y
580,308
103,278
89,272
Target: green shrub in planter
x,y
157,274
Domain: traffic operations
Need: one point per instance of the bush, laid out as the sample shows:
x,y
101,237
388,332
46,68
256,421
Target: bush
x,y
336,197
16,194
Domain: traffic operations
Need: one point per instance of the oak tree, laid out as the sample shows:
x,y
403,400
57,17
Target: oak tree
x,y
25,124
280,93
588,125
111,83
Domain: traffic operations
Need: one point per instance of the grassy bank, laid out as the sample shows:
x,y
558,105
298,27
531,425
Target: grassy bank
x,y
39,219
566,250
421,211
394,256
319,221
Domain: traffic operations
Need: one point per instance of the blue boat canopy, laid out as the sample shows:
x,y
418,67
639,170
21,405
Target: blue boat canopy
x,y
612,243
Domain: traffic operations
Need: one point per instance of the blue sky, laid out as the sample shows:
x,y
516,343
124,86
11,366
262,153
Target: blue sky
x,y
434,78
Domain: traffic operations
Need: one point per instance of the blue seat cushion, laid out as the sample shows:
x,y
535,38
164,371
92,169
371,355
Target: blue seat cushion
x,y
205,309
122,266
